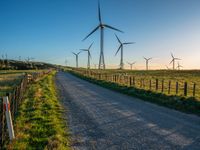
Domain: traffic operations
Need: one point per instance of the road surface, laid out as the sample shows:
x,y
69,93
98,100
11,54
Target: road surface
x,y
103,119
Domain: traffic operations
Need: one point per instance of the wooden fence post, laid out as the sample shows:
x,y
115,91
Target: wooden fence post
x,y
177,88
130,81
169,88
156,84
1,122
150,84
162,86
185,88
194,89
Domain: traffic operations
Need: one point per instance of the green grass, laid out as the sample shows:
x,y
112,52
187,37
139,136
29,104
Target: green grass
x,y
180,76
184,104
40,123
9,79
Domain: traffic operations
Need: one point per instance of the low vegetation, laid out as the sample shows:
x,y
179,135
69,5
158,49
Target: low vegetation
x,y
39,123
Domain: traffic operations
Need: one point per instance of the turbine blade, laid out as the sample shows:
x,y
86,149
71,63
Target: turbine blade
x,y
90,46
78,53
83,49
171,61
177,58
118,39
129,43
91,33
172,55
118,50
113,28
73,53
99,12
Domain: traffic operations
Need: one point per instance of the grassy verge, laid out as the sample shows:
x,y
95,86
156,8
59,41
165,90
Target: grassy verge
x,y
39,123
188,105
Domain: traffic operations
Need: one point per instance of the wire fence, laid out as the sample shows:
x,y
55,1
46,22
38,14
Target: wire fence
x,y
165,86
15,98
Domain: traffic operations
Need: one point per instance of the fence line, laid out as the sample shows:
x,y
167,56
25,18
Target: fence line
x,y
15,99
157,85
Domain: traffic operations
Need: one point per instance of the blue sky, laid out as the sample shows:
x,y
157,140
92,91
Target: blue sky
x,y
49,30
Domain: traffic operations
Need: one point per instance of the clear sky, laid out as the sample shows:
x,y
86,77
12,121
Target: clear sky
x,y
49,30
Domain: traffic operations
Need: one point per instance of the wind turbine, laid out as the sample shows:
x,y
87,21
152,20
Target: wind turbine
x,y
101,26
121,47
131,64
89,55
179,66
76,54
173,60
147,62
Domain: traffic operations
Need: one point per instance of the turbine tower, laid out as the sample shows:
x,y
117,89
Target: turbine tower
x,y
179,66
101,26
76,54
89,55
121,47
173,60
131,64
147,62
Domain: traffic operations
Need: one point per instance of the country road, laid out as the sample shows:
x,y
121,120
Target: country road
x,y
103,119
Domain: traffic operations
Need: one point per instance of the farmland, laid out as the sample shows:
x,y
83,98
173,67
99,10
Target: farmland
x,y
10,79
147,80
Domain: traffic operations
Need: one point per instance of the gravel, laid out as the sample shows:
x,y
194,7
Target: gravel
x,y
102,119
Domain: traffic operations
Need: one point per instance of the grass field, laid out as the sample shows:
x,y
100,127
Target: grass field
x,y
10,79
180,76
39,123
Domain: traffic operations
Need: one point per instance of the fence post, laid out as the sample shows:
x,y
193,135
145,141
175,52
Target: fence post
x,y
1,123
162,86
194,89
177,88
8,117
150,84
156,84
130,81
169,88
185,88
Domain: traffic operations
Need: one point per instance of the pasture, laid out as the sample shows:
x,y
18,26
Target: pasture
x,y
169,82
10,79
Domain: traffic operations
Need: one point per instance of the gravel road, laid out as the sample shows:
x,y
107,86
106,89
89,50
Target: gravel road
x,y
103,119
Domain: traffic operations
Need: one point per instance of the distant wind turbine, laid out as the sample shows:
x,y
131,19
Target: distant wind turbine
x,y
131,64
76,54
89,55
121,47
101,26
173,60
179,66
147,62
